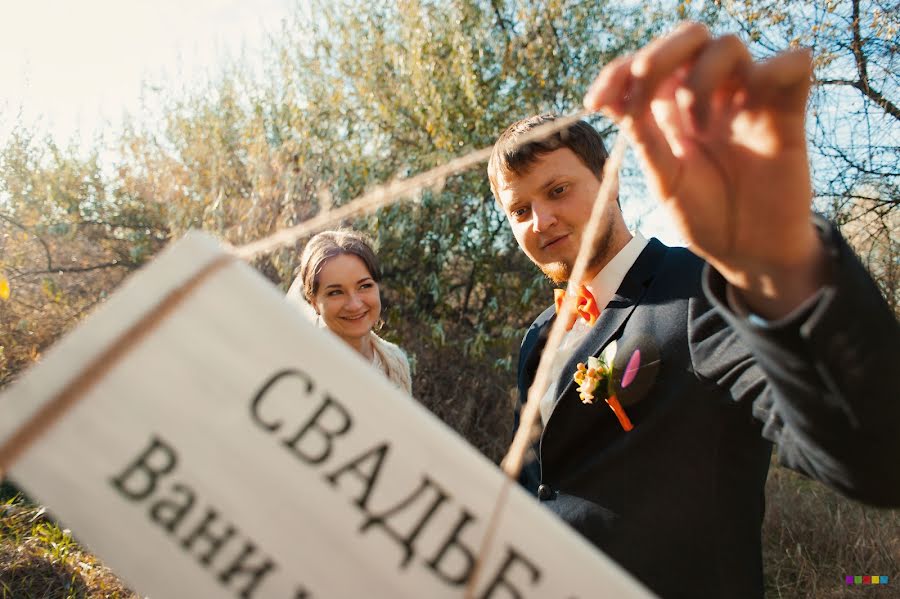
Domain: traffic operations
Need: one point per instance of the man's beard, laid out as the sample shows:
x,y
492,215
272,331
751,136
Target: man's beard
x,y
561,271
557,272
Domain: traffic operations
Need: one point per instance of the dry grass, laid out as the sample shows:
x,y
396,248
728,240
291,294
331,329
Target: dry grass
x,y
813,538
38,560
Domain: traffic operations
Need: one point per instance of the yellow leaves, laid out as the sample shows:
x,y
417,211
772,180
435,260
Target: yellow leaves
x,y
4,288
51,291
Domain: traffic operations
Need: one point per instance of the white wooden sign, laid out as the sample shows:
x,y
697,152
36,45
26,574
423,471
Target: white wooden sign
x,y
234,450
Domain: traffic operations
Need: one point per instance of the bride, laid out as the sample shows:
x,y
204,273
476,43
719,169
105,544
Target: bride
x,y
339,278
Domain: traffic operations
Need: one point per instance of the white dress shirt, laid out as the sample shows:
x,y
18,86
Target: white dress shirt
x,y
602,287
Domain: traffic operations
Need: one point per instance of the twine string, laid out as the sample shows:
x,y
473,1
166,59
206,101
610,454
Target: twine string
x,y
391,193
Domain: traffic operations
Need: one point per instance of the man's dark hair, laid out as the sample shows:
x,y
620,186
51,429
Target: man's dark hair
x,y
508,156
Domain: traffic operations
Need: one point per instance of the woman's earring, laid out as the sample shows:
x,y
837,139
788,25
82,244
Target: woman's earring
x,y
379,324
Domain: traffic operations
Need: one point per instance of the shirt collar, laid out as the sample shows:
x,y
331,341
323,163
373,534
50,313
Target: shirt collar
x,y
608,280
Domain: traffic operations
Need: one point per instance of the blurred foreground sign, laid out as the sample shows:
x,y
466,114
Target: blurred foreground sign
x,y
232,449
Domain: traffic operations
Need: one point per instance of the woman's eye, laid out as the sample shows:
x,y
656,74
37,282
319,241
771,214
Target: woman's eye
x,y
334,292
366,285
558,190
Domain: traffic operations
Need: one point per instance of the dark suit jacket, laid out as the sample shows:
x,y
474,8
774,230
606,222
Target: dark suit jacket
x,y
679,500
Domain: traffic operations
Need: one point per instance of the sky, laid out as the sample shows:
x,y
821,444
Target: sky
x,y
72,66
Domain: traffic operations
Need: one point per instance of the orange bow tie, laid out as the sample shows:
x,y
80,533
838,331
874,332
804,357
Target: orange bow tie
x,y
586,306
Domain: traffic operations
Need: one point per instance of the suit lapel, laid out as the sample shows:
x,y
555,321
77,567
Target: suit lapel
x,y
615,315
533,347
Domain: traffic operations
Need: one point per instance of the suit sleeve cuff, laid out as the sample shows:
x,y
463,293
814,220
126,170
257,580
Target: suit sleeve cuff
x,y
726,298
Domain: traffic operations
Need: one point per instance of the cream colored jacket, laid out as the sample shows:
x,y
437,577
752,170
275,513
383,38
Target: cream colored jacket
x,y
388,358
392,360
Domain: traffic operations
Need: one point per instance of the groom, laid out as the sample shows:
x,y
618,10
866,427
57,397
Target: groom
x,y
775,333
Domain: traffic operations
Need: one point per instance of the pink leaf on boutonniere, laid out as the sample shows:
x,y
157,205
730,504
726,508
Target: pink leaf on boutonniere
x,y
634,364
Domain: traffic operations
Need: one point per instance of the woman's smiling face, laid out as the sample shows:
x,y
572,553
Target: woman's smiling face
x,y
348,298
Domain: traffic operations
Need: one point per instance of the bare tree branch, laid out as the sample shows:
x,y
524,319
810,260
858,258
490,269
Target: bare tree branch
x,y
862,69
75,269
38,237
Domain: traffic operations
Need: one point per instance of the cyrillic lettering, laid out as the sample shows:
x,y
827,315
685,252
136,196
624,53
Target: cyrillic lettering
x,y
169,512
452,542
375,455
238,567
255,404
202,531
409,540
500,580
317,423
158,459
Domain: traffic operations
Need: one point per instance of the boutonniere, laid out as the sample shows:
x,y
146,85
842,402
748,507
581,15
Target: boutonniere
x,y
596,378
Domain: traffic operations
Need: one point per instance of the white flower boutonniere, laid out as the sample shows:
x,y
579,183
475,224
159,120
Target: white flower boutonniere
x,y
595,378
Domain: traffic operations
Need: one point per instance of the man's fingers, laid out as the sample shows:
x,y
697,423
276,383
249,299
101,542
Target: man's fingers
x,y
629,82
719,63
661,59
609,89
661,166
789,75
668,116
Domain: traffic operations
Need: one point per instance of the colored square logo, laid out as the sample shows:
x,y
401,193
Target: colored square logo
x,y
857,579
867,580
884,580
849,579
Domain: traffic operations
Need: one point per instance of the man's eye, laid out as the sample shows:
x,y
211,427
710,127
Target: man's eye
x,y
519,212
558,190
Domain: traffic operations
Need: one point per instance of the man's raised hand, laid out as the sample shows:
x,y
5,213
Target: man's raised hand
x,y
723,145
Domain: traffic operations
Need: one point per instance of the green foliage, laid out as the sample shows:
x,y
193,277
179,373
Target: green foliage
x,y
354,94
411,85
67,235
40,560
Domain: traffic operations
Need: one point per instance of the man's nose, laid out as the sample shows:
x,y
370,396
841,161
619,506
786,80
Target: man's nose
x,y
543,217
